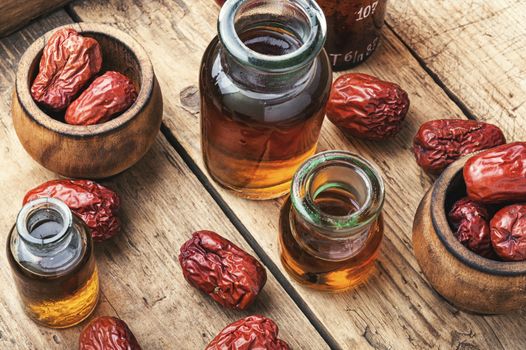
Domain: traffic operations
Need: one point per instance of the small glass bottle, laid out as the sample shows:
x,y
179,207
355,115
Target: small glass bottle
x,y
51,255
331,226
353,30
264,84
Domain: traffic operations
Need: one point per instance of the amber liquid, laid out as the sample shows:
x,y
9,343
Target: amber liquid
x,y
58,301
253,141
353,30
322,273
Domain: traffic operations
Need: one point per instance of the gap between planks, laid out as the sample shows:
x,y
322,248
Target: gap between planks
x,y
236,222
240,227
452,96
265,258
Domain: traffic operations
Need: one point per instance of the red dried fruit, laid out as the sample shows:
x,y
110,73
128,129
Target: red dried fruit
x,y
213,264
367,107
508,232
107,333
68,62
439,143
470,221
250,333
95,204
109,95
497,175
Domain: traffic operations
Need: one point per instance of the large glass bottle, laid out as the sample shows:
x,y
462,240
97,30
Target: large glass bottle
x,y
331,226
51,255
264,84
353,30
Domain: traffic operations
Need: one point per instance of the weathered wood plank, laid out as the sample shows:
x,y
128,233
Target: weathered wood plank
x,y
15,14
476,48
163,203
396,308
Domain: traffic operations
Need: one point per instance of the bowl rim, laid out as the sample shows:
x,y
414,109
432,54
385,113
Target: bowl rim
x,y
446,236
37,115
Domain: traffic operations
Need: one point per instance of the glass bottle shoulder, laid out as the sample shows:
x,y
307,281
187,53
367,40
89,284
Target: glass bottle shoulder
x,y
58,260
298,101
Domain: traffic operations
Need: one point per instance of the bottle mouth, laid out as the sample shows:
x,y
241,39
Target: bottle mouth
x,y
338,169
303,18
44,211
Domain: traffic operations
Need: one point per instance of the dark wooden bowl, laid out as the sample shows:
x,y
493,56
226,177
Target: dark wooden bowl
x,y
467,280
94,151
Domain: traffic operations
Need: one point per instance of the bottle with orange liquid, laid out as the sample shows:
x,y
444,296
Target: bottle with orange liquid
x,y
264,85
51,255
331,226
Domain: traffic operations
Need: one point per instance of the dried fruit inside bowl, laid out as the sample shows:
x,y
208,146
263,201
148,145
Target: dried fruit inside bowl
x,y
508,232
470,221
497,175
109,95
68,63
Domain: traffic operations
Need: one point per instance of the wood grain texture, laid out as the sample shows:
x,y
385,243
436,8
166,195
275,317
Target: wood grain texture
x,y
15,14
141,281
396,309
476,48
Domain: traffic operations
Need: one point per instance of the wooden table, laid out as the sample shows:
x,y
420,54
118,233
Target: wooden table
x,y
463,59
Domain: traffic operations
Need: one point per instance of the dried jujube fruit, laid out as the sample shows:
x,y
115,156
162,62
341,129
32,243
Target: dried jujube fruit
x,y
213,264
439,143
68,63
367,107
508,232
470,221
107,333
497,175
109,95
249,333
95,204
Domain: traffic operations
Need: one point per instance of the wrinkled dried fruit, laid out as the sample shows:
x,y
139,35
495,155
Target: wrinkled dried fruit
x,y
68,62
497,175
439,143
107,333
95,204
470,221
508,232
250,333
367,107
213,264
109,95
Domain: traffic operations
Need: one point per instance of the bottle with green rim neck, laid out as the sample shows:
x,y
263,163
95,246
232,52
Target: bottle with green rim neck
x,y
331,226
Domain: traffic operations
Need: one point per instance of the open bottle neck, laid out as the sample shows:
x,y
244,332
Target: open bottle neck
x,y
338,174
336,199
47,239
44,224
270,44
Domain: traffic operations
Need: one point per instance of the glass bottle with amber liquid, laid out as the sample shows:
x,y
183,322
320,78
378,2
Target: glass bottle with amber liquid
x,y
331,226
353,30
51,255
264,85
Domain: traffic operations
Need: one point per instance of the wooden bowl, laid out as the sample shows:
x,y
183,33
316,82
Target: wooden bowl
x,y
94,151
467,280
